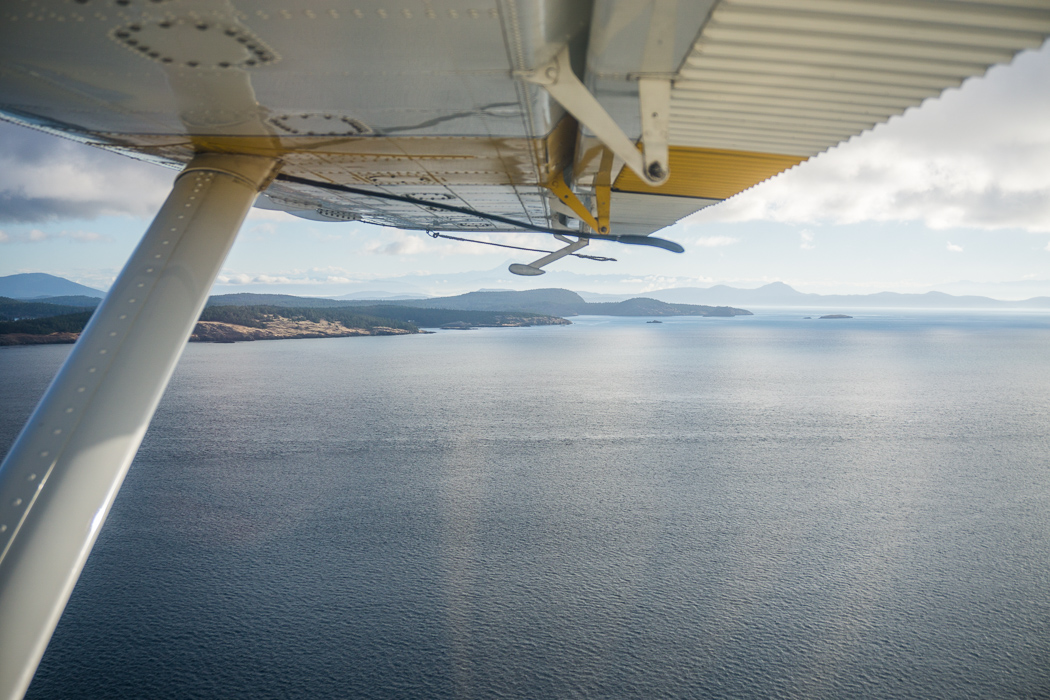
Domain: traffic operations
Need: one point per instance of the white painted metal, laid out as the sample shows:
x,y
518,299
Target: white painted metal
x,y
799,76
654,100
634,213
654,88
558,79
62,474
1008,15
446,120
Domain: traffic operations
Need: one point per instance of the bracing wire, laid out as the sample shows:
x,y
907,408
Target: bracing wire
x,y
628,239
435,234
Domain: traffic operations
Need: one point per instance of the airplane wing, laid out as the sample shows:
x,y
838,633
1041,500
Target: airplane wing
x,y
446,102
604,120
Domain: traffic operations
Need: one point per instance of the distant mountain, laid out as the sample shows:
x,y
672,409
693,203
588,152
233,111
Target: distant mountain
x,y
248,299
558,302
562,302
600,297
375,295
780,294
33,285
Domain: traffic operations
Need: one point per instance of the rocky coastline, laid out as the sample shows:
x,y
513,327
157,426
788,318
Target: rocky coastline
x,y
282,329
216,332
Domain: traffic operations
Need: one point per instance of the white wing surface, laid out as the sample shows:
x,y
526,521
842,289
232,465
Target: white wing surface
x,y
433,101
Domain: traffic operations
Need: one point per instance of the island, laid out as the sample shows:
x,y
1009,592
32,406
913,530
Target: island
x,y
33,323
231,318
836,316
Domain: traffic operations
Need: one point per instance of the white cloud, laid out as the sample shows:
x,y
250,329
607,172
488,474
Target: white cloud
x,y
1047,248
43,177
242,278
715,241
652,283
806,237
39,236
974,158
403,244
316,276
419,243
954,248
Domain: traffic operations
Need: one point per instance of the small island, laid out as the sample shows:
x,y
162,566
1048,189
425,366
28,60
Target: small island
x,y
836,316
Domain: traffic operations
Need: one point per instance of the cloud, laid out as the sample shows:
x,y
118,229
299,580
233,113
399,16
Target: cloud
x,y
240,278
807,240
418,243
403,245
954,248
652,283
314,276
38,236
715,241
976,158
44,177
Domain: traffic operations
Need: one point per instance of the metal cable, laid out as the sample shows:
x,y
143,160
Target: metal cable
x,y
628,239
435,234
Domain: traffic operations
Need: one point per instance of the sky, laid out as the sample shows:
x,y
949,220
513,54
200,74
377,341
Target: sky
x,y
952,196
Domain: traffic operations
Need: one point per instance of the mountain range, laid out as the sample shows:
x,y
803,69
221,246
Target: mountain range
x,y
553,302
40,286
778,294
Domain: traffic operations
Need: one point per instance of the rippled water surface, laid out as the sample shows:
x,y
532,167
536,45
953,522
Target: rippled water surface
x,y
732,508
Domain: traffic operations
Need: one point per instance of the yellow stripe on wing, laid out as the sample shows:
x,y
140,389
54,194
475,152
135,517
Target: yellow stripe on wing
x,y
710,173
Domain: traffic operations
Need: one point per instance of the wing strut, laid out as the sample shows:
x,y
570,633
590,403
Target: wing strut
x,y
62,474
651,164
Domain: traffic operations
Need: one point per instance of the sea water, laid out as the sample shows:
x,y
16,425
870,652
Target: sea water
x,y
751,507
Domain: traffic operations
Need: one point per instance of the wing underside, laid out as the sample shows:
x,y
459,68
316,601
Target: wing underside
x,y
426,100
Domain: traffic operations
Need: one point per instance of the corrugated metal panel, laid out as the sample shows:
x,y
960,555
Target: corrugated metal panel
x,y
799,76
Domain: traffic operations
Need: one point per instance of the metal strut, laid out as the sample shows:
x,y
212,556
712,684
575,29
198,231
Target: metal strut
x,y
558,79
63,472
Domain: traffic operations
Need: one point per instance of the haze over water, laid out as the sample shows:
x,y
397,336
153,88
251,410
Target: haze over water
x,y
734,508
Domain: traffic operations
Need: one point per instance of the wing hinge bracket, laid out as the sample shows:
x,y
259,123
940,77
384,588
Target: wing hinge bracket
x,y
566,196
654,96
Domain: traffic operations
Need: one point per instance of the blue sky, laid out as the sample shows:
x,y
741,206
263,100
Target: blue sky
x,y
953,196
